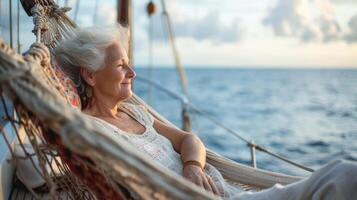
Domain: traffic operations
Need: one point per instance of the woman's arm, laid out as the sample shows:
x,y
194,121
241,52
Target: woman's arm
x,y
192,152
188,145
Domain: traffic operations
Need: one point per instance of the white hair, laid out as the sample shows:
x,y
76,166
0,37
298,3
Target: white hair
x,y
87,49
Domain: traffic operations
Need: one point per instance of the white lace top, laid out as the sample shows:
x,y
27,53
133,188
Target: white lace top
x,y
159,148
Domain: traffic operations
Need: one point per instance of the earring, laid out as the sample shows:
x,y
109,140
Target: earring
x,y
89,92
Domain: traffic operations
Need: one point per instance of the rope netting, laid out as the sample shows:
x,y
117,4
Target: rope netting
x,y
40,158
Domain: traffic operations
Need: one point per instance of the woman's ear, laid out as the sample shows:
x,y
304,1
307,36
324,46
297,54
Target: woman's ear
x,y
88,76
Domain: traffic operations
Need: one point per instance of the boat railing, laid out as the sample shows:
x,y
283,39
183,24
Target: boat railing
x,y
186,105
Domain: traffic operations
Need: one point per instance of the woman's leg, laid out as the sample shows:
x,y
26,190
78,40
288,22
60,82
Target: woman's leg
x,y
337,180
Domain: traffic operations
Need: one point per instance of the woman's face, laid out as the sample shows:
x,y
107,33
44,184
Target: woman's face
x,y
114,79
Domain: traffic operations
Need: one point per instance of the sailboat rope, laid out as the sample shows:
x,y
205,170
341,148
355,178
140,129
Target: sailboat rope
x,y
76,11
0,17
10,23
150,58
186,103
18,28
171,37
95,12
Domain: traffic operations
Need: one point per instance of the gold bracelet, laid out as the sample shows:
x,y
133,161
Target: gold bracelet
x,y
192,162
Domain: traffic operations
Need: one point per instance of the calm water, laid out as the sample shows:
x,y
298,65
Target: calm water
x,y
309,116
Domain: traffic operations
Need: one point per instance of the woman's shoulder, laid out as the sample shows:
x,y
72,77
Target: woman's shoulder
x,y
133,106
139,111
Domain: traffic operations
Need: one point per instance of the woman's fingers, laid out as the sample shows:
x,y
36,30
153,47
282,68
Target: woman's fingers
x,y
196,180
198,177
213,186
206,184
199,182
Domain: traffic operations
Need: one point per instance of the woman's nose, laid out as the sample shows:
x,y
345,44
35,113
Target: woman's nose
x,y
131,73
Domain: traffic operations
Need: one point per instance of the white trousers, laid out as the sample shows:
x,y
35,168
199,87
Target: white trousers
x,y
335,181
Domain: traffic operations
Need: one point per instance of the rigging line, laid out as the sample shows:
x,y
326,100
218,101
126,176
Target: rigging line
x,y
10,21
262,149
76,11
249,143
0,18
205,114
182,99
171,37
95,12
18,27
150,59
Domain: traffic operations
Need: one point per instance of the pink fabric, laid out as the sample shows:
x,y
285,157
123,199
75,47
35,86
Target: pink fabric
x,y
67,88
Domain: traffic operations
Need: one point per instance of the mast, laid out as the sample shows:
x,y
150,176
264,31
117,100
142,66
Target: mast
x,y
10,23
124,17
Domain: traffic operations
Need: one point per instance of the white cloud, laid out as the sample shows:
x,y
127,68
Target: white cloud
x,y
292,18
208,27
344,1
106,14
89,15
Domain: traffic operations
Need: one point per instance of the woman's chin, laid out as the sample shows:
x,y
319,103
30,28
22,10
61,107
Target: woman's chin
x,y
126,96
130,94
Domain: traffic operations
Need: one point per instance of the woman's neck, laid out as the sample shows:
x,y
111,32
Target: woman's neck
x,y
102,108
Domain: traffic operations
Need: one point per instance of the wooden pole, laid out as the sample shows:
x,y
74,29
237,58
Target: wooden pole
x,y
124,18
252,154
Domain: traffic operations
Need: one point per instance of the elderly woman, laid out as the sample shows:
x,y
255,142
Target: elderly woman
x,y
97,61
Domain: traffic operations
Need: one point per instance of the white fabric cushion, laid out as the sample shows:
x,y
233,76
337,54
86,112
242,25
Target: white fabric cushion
x,y
26,170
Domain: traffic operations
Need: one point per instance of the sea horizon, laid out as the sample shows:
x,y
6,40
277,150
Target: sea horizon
x,y
250,67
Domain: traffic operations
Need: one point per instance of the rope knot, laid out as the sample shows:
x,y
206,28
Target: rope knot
x,y
39,52
39,18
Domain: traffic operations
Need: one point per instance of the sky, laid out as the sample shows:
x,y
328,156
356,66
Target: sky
x,y
230,33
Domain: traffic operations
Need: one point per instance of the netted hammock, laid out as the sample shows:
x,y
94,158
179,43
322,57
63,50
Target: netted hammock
x,y
72,157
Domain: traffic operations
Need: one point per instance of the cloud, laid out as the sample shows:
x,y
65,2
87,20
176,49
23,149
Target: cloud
x,y
208,27
292,18
106,14
352,36
89,15
344,1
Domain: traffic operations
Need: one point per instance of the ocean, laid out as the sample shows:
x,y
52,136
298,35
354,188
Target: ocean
x,y
309,116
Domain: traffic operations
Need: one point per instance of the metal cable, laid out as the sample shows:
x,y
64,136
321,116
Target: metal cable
x,y
173,95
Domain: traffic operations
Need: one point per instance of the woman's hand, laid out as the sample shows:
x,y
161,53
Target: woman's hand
x,y
197,176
